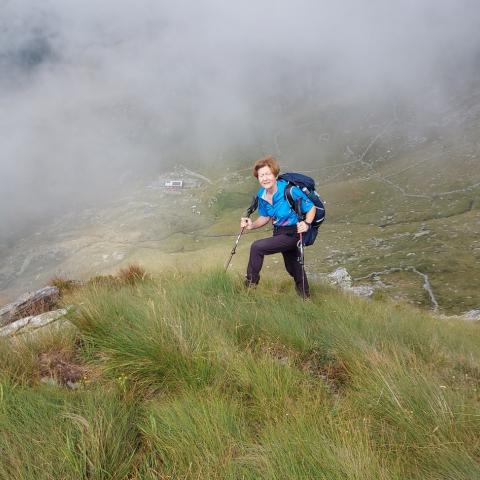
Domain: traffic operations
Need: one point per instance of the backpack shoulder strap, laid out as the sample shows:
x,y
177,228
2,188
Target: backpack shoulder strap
x,y
291,200
289,196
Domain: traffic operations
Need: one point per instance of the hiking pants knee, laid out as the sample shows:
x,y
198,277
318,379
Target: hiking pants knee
x,y
286,244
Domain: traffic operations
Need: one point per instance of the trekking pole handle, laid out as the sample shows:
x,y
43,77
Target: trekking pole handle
x,y
300,245
253,206
298,210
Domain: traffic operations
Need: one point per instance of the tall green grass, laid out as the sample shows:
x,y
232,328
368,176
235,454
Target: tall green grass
x,y
190,376
47,433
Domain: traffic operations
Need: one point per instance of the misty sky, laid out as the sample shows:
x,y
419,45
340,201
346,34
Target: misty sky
x,y
91,90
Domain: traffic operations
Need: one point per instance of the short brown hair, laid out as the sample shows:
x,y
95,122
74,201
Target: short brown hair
x,y
268,161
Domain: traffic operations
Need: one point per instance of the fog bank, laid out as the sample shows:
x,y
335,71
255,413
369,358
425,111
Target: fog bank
x,y
90,92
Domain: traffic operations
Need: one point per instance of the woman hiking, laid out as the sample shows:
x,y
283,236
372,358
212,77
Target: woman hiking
x,y
273,205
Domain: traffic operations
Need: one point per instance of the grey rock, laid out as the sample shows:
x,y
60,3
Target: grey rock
x,y
340,277
29,324
472,315
49,381
43,298
421,233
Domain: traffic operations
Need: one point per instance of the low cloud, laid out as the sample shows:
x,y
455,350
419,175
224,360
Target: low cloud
x,y
90,91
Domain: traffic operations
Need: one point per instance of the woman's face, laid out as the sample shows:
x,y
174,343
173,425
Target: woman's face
x,y
266,178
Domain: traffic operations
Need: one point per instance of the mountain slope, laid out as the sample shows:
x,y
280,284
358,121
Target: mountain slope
x,y
401,185
191,376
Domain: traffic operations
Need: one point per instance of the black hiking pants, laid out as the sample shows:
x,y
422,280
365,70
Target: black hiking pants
x,y
284,241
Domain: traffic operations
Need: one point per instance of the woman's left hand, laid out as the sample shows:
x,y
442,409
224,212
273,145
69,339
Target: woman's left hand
x,y
302,227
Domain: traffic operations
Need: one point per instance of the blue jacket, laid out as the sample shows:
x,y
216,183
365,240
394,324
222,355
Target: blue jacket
x,y
280,211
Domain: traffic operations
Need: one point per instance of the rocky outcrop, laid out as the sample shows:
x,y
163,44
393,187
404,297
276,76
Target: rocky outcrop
x,y
472,315
33,323
29,304
341,278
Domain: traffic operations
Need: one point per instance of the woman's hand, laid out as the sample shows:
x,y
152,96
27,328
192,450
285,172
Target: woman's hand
x,y
246,223
302,227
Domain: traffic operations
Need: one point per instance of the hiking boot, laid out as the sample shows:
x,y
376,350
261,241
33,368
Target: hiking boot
x,y
300,293
249,284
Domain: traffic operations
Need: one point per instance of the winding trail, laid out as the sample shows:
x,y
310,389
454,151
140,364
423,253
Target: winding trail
x,y
195,174
370,165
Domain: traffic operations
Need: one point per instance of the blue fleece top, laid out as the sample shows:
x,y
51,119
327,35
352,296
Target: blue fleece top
x,y
280,211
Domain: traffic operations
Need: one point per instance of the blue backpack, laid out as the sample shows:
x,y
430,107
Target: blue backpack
x,y
307,186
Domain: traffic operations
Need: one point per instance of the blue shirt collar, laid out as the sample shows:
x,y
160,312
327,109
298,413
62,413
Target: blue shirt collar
x,y
281,184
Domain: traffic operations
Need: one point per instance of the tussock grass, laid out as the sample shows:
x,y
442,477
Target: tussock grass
x,y
64,285
191,377
131,274
20,357
47,433
197,437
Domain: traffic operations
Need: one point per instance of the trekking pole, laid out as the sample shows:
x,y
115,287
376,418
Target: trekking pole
x,y
300,246
250,210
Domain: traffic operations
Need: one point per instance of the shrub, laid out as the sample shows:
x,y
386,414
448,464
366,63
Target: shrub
x,y
64,285
131,274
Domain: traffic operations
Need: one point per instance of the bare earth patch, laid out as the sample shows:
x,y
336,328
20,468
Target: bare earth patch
x,y
63,366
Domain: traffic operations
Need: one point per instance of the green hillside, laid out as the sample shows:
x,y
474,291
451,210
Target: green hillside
x,y
190,376
401,186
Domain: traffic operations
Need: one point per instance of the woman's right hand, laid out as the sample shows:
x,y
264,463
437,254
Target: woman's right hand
x,y
246,223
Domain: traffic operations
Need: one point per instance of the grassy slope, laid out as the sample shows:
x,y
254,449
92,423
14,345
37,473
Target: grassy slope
x,y
188,376
359,235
